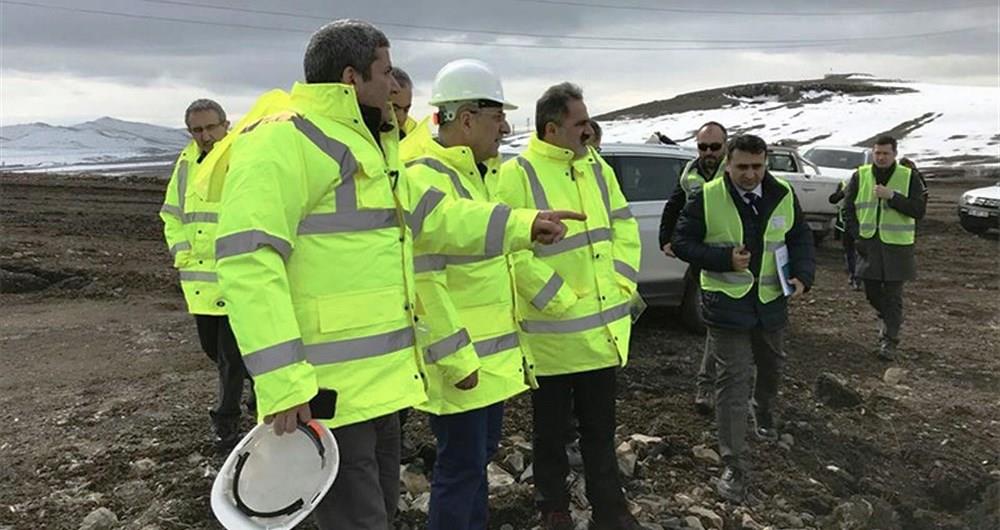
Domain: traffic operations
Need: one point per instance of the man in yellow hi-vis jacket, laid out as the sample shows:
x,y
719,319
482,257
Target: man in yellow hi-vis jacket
x,y
315,260
471,369
576,313
189,227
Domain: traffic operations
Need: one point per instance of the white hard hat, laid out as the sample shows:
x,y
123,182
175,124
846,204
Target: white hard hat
x,y
467,80
272,482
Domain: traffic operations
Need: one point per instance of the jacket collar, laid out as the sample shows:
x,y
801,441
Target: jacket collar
x,y
542,148
420,142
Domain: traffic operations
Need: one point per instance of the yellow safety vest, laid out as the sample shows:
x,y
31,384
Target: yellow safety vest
x,y
575,295
894,228
315,255
479,291
724,228
691,179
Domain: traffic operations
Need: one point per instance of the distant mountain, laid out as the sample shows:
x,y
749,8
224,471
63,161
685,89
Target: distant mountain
x,y
40,145
937,125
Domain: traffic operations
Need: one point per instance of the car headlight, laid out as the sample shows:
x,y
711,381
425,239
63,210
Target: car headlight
x,y
968,198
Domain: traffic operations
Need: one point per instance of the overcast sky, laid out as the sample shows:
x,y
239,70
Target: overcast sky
x,y
62,66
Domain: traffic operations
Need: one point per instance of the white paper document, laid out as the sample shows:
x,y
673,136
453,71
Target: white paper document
x,y
784,269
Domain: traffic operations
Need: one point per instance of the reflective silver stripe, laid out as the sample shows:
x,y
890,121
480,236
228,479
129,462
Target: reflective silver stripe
x,y
447,346
541,202
603,186
865,204
770,280
898,227
348,221
496,229
577,324
465,260
574,242
197,276
487,347
548,291
250,241
201,217
734,278
347,194
183,245
274,357
771,246
866,226
171,210
425,205
360,348
429,262
182,178
622,213
626,270
438,166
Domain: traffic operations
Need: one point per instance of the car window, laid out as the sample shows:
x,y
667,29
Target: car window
x,y
836,158
646,178
782,162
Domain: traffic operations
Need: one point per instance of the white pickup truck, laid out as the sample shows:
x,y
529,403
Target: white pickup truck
x,y
811,187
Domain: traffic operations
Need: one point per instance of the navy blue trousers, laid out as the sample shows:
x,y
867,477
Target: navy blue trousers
x,y
466,442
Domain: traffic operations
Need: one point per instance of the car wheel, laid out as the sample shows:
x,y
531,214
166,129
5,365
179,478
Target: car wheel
x,y
691,315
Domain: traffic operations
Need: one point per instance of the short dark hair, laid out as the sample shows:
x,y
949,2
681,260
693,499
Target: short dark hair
x,y
340,44
885,139
203,104
402,78
747,143
597,129
554,105
725,133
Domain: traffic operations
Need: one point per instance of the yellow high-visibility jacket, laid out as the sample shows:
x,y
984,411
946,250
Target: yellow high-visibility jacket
x,y
590,276
315,255
471,318
189,227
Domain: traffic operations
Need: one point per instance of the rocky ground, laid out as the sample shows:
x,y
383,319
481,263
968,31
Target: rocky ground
x,y
104,392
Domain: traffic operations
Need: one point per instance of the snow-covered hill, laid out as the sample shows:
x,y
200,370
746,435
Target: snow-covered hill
x,y
39,145
937,125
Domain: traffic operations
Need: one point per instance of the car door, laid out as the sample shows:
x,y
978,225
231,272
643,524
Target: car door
x,y
647,180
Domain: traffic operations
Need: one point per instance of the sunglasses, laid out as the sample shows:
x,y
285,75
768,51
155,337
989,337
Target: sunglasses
x,y
710,147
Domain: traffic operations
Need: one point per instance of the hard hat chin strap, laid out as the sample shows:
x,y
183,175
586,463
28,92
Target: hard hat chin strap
x,y
294,506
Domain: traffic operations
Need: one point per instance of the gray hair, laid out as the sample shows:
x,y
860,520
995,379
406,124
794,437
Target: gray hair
x,y
402,78
199,105
340,44
554,105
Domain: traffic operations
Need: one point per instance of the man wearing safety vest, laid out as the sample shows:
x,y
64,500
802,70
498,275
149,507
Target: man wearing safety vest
x,y
883,203
471,369
733,229
189,226
315,260
711,142
402,100
574,298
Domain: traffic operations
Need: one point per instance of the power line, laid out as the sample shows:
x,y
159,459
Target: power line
x,y
700,11
733,45
526,34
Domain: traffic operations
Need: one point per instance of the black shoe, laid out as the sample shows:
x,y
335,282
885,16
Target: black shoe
x,y
703,402
557,520
574,456
887,351
732,484
227,433
763,424
623,522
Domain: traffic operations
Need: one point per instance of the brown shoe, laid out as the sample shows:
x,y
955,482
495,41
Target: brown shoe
x,y
703,402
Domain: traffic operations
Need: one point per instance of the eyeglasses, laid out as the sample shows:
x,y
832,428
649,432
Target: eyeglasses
x,y
710,147
206,128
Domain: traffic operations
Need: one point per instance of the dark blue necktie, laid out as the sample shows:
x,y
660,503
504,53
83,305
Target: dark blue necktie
x,y
752,199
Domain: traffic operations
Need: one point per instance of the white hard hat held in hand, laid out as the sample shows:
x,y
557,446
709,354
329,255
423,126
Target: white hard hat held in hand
x,y
272,482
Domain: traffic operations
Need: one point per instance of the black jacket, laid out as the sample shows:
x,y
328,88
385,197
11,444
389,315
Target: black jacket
x,y
672,209
747,312
878,261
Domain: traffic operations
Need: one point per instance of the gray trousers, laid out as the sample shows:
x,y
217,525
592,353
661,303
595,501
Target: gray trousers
x,y
887,299
366,492
706,372
735,353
